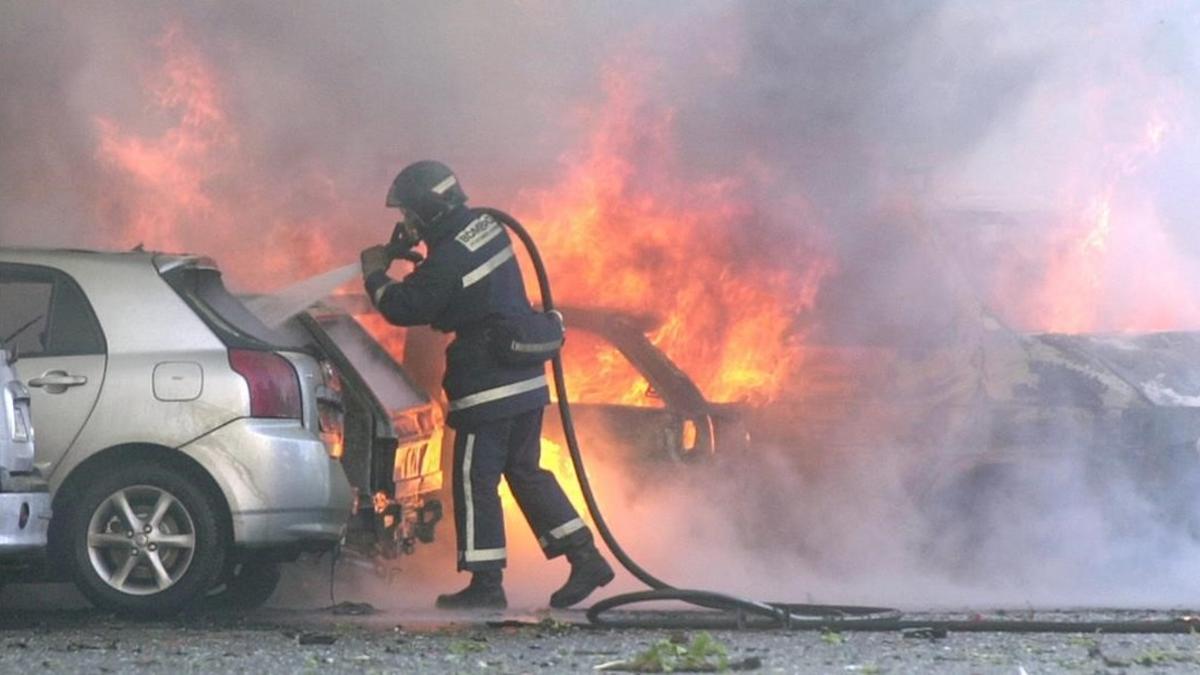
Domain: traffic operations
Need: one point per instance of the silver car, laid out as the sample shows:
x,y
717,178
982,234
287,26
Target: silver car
x,y
184,446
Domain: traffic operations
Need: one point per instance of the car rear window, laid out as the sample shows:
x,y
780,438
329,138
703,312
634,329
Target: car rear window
x,y
224,313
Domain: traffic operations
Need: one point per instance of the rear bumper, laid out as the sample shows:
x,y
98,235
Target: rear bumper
x,y
24,518
282,488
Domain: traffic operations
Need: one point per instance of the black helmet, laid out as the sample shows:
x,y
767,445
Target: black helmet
x,y
428,190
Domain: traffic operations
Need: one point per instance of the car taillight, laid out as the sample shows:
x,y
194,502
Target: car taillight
x,y
274,385
331,415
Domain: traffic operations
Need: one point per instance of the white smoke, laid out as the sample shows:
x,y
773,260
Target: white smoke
x,y
844,109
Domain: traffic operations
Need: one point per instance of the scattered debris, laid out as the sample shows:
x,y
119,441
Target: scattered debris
x,y
832,637
554,626
1148,659
463,647
84,646
546,626
353,609
924,632
1155,657
316,639
511,623
703,654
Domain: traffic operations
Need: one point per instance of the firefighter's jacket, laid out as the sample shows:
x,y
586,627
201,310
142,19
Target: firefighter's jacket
x,y
469,278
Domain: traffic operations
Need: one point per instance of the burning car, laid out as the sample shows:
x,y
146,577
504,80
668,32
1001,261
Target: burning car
x,y
660,414
188,447
664,416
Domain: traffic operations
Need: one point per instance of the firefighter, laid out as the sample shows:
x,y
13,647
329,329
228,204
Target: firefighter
x,y
468,281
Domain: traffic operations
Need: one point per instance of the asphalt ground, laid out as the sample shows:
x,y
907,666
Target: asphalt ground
x,y
44,628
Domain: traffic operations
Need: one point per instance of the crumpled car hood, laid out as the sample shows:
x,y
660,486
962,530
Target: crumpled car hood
x,y
1163,367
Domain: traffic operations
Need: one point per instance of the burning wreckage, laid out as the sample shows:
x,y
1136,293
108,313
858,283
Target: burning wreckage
x,y
999,427
983,414
190,448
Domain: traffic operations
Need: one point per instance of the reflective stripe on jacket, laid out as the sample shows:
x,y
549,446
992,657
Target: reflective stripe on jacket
x,y
470,275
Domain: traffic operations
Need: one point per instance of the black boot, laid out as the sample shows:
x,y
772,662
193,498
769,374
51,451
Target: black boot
x,y
589,571
484,592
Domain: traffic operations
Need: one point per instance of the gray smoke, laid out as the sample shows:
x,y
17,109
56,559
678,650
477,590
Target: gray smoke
x,y
935,149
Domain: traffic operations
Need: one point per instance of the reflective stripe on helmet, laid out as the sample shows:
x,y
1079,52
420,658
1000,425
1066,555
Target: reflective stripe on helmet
x,y
488,267
440,188
497,393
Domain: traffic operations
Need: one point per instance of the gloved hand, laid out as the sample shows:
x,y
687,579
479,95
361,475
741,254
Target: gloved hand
x,y
404,251
375,259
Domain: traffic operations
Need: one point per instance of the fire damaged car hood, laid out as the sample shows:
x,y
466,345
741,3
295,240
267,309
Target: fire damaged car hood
x,y
1002,397
1088,371
1164,368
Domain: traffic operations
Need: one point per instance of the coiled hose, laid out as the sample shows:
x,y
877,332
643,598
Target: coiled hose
x,y
727,611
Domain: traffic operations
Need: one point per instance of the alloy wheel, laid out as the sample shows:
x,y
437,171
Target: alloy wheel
x,y
141,540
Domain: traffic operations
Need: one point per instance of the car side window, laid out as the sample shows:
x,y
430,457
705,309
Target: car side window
x,y
43,312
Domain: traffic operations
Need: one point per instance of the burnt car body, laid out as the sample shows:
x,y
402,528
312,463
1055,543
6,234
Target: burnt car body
x,y
905,355
1116,407
680,424
683,426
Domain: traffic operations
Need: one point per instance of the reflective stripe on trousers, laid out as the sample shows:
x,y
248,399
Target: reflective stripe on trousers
x,y
509,447
470,553
561,531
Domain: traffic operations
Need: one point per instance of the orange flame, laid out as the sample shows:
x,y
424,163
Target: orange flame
x,y
169,172
192,186
1090,270
623,231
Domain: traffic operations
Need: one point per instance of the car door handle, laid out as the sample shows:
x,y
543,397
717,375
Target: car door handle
x,y
58,379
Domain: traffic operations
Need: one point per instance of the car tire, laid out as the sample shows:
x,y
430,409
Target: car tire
x,y
246,585
145,540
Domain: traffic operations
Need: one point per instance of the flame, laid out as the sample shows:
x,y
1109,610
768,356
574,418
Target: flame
x,y
630,226
622,230
556,460
169,172
191,184
1088,284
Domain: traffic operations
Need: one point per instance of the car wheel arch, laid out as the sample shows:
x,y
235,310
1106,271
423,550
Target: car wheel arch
x,y
121,455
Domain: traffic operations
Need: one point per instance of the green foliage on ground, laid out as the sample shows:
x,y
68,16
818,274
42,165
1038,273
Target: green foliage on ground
x,y
703,654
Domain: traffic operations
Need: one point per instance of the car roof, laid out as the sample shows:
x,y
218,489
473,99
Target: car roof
x,y
137,257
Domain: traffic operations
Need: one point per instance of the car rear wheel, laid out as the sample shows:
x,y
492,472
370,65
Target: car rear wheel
x,y
145,540
246,585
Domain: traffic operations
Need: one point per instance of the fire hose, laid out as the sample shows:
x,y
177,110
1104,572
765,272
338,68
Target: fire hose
x,y
720,610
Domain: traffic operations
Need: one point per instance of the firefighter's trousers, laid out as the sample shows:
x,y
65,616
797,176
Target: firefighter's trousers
x,y
510,447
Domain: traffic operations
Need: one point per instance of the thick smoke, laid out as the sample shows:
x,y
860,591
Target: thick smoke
x,y
952,159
